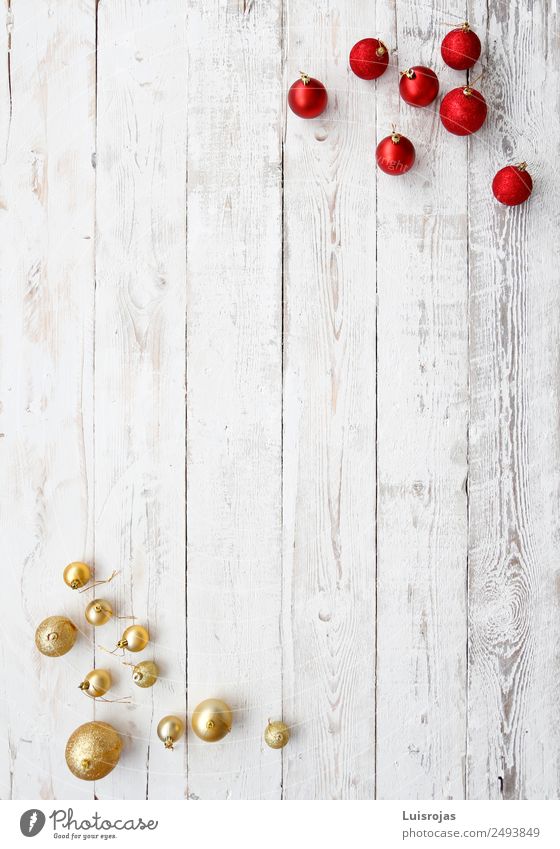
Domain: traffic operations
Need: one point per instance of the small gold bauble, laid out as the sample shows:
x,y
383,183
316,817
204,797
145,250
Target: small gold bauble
x,y
276,734
93,750
98,612
77,575
212,720
169,730
134,638
55,636
97,683
145,673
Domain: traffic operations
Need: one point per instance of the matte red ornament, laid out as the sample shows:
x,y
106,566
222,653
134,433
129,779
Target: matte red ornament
x,y
513,184
369,58
307,97
418,86
395,154
463,111
460,49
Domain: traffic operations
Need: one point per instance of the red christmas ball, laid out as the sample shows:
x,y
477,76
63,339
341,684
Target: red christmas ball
x,y
395,154
460,49
307,97
463,111
418,86
369,58
512,184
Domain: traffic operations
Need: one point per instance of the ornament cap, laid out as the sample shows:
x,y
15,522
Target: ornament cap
x,y
395,137
305,78
409,73
381,50
122,644
521,166
466,26
84,685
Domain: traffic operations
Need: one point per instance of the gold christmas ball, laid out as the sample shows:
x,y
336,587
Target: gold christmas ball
x,y
98,612
77,575
276,734
97,683
212,720
55,636
93,750
169,730
145,674
134,638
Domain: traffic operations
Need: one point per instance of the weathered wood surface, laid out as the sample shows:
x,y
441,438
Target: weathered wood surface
x,y
309,411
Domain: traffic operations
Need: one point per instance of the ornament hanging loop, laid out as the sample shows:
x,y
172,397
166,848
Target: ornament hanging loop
x,y
108,580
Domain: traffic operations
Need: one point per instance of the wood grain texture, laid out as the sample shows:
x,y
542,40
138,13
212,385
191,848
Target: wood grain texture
x,y
234,389
46,370
329,414
514,545
140,371
422,434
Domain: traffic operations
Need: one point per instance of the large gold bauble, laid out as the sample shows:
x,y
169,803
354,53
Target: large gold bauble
x,y
134,638
97,682
212,720
276,734
98,612
145,673
93,750
170,729
55,636
77,575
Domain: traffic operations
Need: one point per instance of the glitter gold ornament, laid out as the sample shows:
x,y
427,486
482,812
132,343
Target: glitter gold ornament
x,y
145,673
96,683
276,734
98,612
212,720
77,575
169,730
55,636
93,750
134,638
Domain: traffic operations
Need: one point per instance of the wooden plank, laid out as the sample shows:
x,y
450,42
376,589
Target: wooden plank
x,y
329,414
140,371
514,728
234,394
46,344
422,373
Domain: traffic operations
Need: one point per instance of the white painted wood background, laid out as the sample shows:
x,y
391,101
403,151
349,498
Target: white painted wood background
x,y
310,412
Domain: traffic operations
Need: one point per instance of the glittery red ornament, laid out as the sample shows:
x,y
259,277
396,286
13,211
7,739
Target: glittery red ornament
x,y
512,184
395,154
463,111
460,49
307,97
369,58
418,86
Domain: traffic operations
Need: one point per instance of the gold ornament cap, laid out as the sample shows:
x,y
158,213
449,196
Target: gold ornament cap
x,y
134,638
276,734
93,750
170,729
76,575
212,720
55,636
145,673
98,612
97,683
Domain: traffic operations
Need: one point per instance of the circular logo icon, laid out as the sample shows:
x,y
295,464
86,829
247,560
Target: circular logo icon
x,y
31,822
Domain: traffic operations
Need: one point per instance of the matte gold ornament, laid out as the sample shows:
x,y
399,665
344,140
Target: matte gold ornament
x,y
169,730
96,683
134,638
212,720
98,612
55,636
77,575
276,734
93,750
145,673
